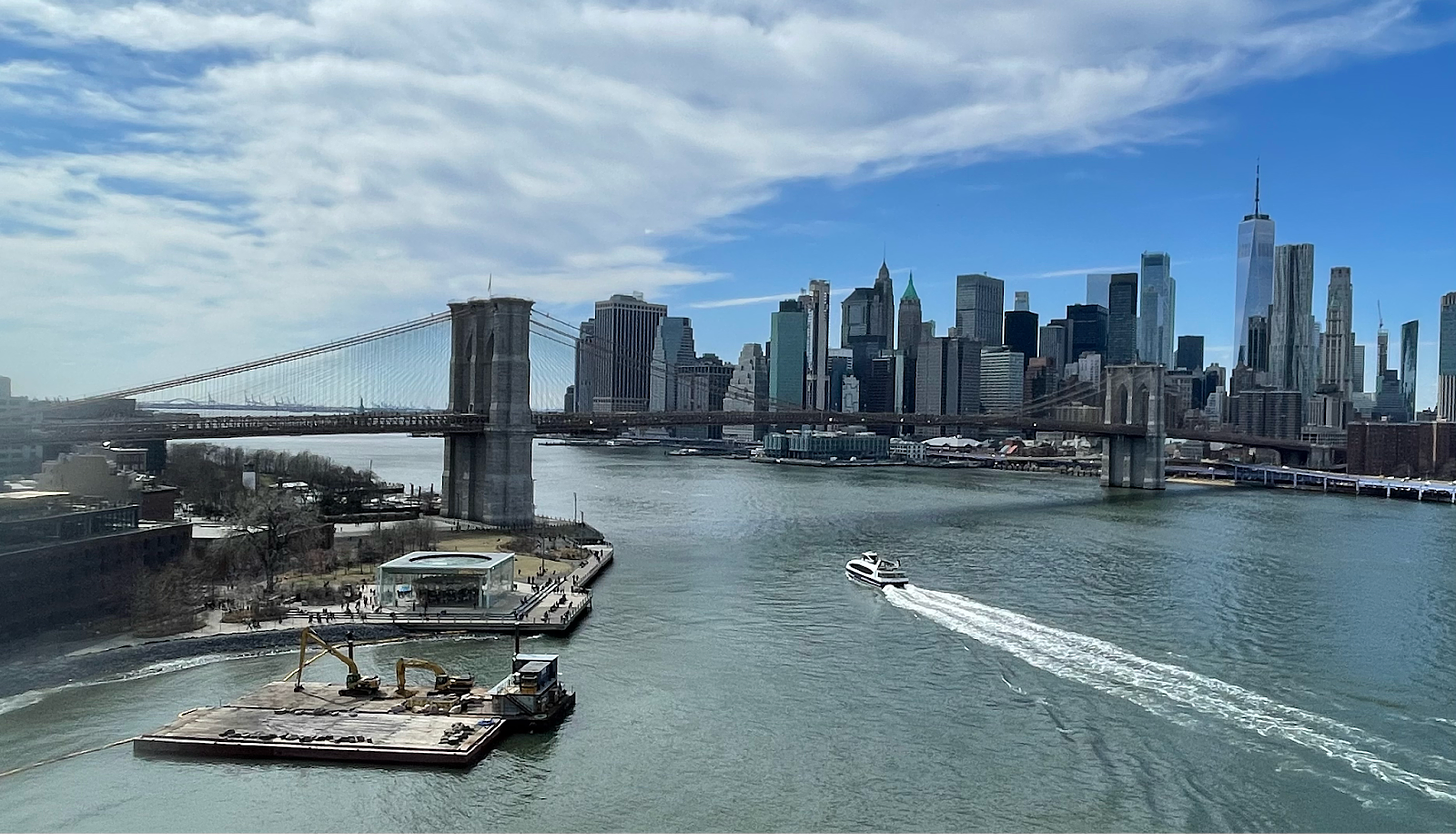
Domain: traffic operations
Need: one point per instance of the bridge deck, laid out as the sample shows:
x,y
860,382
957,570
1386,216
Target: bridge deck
x,y
192,427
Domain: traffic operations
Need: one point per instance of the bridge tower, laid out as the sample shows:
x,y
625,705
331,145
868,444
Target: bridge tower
x,y
1134,396
488,473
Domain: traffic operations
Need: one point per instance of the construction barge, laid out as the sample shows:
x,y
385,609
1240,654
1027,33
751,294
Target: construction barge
x,y
450,724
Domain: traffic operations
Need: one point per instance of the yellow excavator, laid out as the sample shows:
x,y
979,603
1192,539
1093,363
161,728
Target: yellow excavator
x,y
445,683
355,684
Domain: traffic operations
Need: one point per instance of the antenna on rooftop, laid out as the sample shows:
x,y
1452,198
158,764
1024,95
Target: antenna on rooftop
x,y
1256,186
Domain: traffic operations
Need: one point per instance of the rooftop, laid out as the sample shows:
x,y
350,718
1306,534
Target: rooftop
x,y
445,562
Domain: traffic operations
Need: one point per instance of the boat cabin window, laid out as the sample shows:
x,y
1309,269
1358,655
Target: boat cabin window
x,y
858,568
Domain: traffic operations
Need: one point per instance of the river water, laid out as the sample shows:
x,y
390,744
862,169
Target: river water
x,y
1066,658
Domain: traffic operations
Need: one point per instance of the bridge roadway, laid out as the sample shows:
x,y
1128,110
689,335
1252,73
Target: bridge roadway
x,y
194,427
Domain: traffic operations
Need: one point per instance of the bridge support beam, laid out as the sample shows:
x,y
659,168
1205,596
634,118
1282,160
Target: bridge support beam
x,y
1135,395
488,473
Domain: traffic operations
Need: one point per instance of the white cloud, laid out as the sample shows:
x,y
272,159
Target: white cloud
x,y
740,302
247,179
1090,270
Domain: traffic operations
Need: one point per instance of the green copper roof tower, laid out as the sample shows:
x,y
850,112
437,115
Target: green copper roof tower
x,y
910,294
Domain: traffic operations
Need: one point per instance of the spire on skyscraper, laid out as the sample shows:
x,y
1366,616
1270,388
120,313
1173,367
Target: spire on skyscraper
x,y
910,294
1256,215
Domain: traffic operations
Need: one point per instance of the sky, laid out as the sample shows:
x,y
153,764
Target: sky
x,y
190,185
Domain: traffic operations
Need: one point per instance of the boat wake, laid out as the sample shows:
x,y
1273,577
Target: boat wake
x,y
1164,689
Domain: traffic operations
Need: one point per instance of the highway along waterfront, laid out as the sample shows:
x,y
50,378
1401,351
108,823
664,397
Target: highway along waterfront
x,y
1065,658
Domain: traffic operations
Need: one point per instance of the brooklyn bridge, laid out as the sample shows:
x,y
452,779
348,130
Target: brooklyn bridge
x,y
489,375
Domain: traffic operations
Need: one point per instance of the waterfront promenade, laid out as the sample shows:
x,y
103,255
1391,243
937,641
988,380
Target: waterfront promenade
x,y
555,605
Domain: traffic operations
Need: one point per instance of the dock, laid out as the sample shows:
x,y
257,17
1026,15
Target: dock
x,y
1317,480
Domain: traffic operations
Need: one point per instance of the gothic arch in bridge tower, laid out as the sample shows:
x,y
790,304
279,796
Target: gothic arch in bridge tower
x,y
1122,404
1134,459
1140,405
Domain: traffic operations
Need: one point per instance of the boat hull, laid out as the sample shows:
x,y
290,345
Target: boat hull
x,y
875,583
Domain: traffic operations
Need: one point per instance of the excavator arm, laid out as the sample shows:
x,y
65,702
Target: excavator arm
x,y
355,683
414,663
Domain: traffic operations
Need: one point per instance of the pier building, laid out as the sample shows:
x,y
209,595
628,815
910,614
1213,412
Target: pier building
x,y
462,580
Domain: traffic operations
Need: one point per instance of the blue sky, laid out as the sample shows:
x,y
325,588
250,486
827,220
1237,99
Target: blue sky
x,y
187,186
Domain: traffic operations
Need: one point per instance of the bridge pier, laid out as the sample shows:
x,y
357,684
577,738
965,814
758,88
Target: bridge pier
x,y
487,474
1135,395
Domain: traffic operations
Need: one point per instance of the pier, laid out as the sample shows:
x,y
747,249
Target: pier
x,y
1381,486
1315,480
553,607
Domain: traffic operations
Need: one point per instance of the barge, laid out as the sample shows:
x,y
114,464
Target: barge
x,y
451,724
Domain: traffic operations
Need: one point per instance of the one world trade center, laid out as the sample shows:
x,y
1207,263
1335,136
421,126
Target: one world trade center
x,y
1255,286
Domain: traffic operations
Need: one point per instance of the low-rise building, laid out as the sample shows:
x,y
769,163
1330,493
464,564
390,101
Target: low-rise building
x,y
807,444
448,580
66,561
1405,450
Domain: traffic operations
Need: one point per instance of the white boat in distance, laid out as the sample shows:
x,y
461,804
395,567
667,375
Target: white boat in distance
x,y
870,569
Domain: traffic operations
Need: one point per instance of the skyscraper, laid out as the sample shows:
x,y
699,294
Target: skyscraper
x,y
673,347
867,321
1122,319
980,303
1088,331
1003,372
1337,367
816,310
911,325
881,384
702,385
1023,301
788,338
623,332
948,377
1446,360
1189,356
910,317
1155,311
1357,368
1021,331
1255,288
1389,400
747,391
1097,286
588,358
1382,353
885,286
1052,343
1291,319
1409,345
1257,359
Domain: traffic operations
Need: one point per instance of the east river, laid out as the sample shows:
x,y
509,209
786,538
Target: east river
x,y
1067,658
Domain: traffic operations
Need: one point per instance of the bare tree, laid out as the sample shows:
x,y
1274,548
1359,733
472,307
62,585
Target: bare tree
x,y
273,530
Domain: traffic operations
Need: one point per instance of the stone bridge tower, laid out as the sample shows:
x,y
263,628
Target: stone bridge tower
x,y
488,473
1134,396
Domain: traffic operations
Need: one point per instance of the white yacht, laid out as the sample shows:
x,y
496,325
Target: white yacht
x,y
870,569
